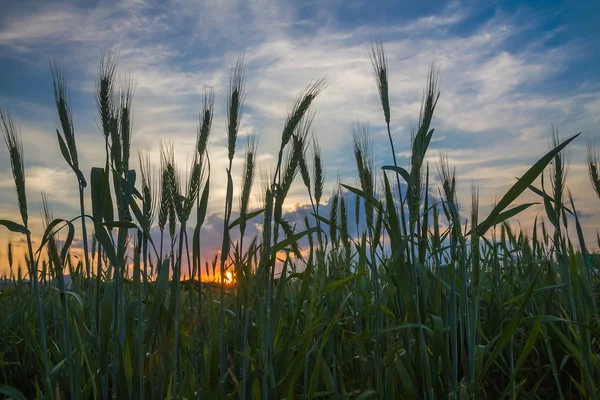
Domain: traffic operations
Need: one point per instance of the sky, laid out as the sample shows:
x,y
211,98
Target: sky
x,y
508,70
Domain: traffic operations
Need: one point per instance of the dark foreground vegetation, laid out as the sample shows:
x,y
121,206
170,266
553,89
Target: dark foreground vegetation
x,y
425,301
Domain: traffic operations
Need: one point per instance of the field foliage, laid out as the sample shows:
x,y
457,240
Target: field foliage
x,y
425,300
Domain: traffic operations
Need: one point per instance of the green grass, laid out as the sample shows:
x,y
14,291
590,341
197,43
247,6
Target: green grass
x,y
419,305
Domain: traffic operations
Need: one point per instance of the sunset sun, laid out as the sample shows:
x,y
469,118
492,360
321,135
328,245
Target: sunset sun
x,y
228,278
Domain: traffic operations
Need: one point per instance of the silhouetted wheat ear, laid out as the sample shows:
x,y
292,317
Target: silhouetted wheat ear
x,y
206,118
377,232
47,218
430,98
304,170
12,138
234,104
301,106
163,211
357,210
344,235
149,192
310,235
105,89
59,82
593,165
94,245
364,164
293,163
417,157
125,119
248,180
380,73
300,140
318,173
474,235
290,168
9,253
559,169
194,181
46,209
167,206
289,232
333,216
175,206
448,177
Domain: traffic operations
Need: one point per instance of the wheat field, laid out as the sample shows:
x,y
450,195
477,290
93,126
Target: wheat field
x,y
421,300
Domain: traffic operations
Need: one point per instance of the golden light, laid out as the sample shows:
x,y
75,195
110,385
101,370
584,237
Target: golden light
x,y
228,278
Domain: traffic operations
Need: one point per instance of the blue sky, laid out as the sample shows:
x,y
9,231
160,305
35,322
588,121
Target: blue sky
x,y
508,70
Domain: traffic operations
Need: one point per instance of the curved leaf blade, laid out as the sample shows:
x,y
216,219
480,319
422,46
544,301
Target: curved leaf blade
x,y
13,226
521,185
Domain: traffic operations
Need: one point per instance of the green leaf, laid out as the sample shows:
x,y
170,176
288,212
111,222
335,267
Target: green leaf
x,y
293,239
520,297
503,216
406,380
49,232
142,222
129,185
545,196
399,327
120,224
106,242
64,150
127,367
81,178
56,369
12,393
107,204
162,285
522,184
366,394
77,298
105,323
340,282
200,216
228,204
248,217
571,348
13,226
369,198
528,346
399,170
392,223
314,379
68,240
511,327
202,207
326,375
548,207
96,178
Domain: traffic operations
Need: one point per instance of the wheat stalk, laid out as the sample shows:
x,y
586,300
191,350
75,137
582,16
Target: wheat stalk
x,y
248,180
235,99
364,162
380,73
206,118
12,138
59,82
105,89
593,166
